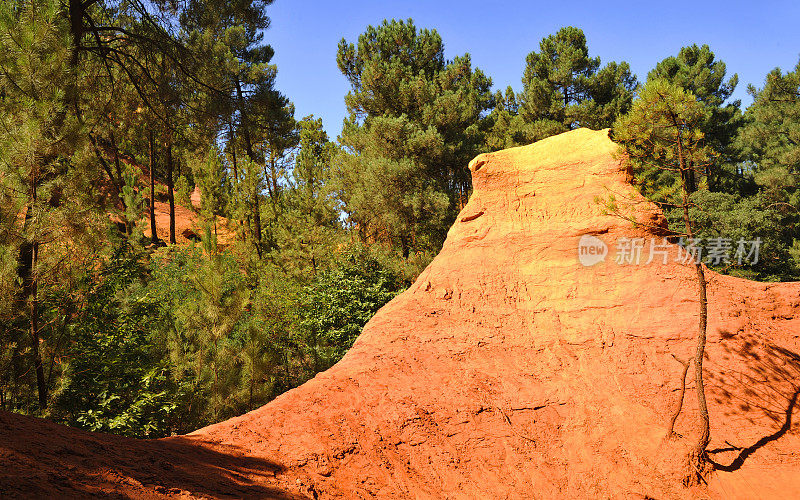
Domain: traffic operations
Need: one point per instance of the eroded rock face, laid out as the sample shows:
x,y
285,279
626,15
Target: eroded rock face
x,y
511,370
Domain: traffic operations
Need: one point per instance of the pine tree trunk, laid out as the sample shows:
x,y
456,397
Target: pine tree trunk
x,y
75,15
268,182
233,157
404,246
705,432
698,458
41,384
170,190
154,235
273,178
29,254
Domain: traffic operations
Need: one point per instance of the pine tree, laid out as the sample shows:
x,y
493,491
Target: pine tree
x,y
696,70
726,200
233,33
664,130
39,141
415,121
563,89
277,139
609,95
770,141
771,137
204,344
557,77
507,127
311,220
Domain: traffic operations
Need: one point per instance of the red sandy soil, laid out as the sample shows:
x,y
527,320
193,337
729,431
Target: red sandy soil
x,y
508,370
188,226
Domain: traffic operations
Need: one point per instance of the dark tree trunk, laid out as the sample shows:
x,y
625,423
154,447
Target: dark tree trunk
x,y
76,29
151,143
28,257
274,180
41,384
248,145
267,178
232,146
404,246
170,189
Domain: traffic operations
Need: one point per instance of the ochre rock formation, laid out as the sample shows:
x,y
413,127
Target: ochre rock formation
x,y
188,223
508,370
189,226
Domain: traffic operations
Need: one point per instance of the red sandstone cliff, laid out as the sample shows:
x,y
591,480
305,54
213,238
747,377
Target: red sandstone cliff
x,y
508,370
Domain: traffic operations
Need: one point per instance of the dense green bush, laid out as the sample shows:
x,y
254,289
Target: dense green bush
x,y
167,341
337,305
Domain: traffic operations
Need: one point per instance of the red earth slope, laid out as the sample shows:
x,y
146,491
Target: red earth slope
x,y
508,370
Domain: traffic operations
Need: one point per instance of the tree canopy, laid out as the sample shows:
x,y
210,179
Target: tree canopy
x,y
416,119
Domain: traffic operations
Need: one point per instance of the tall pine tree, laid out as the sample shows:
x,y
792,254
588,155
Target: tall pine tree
x,y
562,88
415,121
696,70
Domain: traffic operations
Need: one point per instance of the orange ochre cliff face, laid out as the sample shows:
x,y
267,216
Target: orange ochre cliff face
x,y
508,370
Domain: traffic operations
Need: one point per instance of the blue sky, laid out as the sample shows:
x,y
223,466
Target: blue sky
x,y
751,37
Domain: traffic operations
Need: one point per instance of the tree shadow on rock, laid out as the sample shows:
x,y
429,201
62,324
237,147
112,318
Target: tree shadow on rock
x,y
756,382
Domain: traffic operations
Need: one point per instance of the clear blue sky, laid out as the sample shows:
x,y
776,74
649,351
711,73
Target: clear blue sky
x,y
751,37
